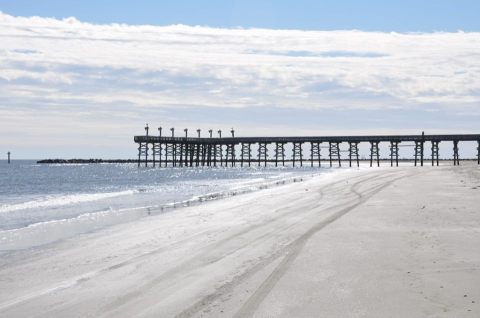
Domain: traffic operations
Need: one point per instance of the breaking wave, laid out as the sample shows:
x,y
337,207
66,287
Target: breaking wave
x,y
58,201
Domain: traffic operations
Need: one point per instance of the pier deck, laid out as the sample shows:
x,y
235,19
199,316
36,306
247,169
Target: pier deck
x,y
212,151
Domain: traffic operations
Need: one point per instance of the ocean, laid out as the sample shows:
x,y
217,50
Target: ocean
x,y
44,203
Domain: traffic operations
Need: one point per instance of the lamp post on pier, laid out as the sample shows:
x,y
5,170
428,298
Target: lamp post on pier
x,y
220,133
210,132
173,131
145,148
198,132
186,132
8,153
157,148
233,133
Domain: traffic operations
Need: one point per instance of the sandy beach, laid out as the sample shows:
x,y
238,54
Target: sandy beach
x,y
388,242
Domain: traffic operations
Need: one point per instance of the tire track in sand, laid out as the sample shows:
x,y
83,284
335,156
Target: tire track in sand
x,y
251,305
266,260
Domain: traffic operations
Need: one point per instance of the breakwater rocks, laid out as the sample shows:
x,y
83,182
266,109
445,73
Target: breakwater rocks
x,y
70,161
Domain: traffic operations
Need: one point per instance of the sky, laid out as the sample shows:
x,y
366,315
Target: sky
x,y
80,79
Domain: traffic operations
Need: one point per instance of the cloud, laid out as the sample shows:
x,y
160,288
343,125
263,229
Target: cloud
x,y
69,68
153,65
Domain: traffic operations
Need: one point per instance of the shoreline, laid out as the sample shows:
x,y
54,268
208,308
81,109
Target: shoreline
x,y
35,235
396,242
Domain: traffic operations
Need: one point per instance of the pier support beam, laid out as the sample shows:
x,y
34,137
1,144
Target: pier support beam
x,y
191,153
179,154
334,151
279,153
246,153
394,153
143,152
456,159
214,154
230,155
374,153
353,152
142,149
153,154
198,151
192,147
186,158
297,153
175,153
315,153
169,153
419,147
188,152
219,154
209,155
204,155
262,153
157,152
478,152
435,151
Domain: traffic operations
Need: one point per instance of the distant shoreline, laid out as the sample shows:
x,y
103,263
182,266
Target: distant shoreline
x,y
67,161
70,161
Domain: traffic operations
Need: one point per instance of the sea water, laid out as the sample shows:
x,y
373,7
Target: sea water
x,y
43,203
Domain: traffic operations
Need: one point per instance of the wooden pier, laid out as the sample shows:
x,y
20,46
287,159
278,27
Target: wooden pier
x,y
222,151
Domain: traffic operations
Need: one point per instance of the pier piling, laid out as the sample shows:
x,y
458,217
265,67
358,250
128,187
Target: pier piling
x,y
230,155
279,153
246,153
315,153
334,151
262,153
374,153
394,153
478,152
435,152
297,153
419,147
353,152
456,160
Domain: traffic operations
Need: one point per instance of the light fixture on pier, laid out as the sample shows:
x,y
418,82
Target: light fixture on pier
x,y
146,129
220,133
198,132
186,132
233,133
210,132
173,131
160,131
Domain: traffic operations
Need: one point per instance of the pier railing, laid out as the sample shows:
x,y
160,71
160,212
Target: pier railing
x,y
230,151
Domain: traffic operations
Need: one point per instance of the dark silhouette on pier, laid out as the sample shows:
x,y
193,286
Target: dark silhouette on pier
x,y
221,151
83,161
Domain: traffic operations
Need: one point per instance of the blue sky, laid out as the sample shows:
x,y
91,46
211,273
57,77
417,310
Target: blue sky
x,y
76,83
368,15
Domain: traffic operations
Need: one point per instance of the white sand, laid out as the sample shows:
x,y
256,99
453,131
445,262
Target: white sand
x,y
402,242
